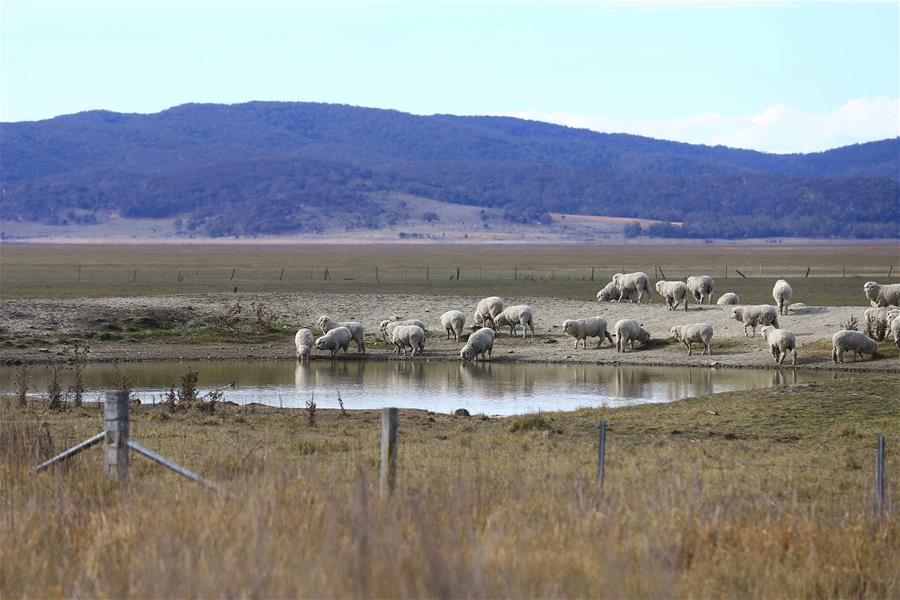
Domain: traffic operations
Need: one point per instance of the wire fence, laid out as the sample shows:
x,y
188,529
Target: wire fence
x,y
426,273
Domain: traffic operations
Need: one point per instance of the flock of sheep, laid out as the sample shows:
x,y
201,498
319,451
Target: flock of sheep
x,y
491,314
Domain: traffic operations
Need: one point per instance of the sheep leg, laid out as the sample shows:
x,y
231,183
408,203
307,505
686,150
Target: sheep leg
x,y
708,349
794,356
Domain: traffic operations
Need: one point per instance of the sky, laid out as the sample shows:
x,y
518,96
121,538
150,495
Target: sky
x,y
778,77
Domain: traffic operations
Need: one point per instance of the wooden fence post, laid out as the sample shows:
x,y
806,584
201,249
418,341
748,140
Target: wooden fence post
x,y
592,273
457,273
879,478
134,276
232,274
281,277
807,272
376,273
726,271
115,421
891,270
389,421
601,452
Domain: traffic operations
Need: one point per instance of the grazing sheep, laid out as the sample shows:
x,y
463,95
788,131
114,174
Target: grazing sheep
x,y
878,321
303,342
895,330
454,321
337,338
487,309
780,341
782,292
630,284
412,336
856,341
755,315
696,332
728,298
674,292
701,286
581,329
326,324
479,343
609,293
629,330
882,295
387,326
520,314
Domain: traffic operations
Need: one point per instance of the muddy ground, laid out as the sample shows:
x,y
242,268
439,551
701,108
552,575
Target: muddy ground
x,y
163,327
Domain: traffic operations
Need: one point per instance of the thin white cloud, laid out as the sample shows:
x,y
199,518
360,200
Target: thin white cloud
x,y
779,128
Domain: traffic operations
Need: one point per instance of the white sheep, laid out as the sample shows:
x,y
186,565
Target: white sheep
x,y
454,321
412,336
755,315
895,330
629,330
303,342
512,317
878,321
728,298
695,332
581,329
856,341
609,293
701,286
633,283
783,293
357,331
487,309
674,292
882,295
479,343
780,341
336,338
387,326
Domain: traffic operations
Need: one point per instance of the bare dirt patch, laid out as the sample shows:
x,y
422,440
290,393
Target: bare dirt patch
x,y
184,327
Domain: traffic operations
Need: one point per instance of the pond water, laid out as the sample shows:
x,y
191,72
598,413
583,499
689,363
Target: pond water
x,y
493,389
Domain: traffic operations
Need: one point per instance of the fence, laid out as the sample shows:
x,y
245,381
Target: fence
x,y
424,273
115,434
118,443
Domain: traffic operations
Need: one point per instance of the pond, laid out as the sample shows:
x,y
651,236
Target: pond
x,y
493,389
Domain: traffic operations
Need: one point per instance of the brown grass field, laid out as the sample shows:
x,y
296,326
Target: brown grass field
x,y
836,272
764,494
756,494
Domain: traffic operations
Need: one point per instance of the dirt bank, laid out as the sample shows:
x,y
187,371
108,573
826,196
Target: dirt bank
x,y
36,330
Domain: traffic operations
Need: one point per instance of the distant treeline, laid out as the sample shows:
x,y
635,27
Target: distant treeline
x,y
263,168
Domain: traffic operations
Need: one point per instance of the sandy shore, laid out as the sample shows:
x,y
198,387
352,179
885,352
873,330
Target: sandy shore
x,y
812,325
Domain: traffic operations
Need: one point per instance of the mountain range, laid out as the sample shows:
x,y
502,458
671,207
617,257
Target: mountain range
x,y
285,167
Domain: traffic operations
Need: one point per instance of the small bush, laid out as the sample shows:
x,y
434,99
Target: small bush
x,y
311,412
533,422
851,324
54,390
22,386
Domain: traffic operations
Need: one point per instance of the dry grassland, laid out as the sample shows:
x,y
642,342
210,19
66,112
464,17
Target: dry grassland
x,y
568,271
763,494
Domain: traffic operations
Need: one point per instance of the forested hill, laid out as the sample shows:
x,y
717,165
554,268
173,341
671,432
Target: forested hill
x,y
273,167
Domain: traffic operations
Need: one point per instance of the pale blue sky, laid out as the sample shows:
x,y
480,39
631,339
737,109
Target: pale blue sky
x,y
773,76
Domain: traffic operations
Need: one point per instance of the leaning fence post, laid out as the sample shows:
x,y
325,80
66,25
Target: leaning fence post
x,y
601,452
389,421
115,421
879,477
